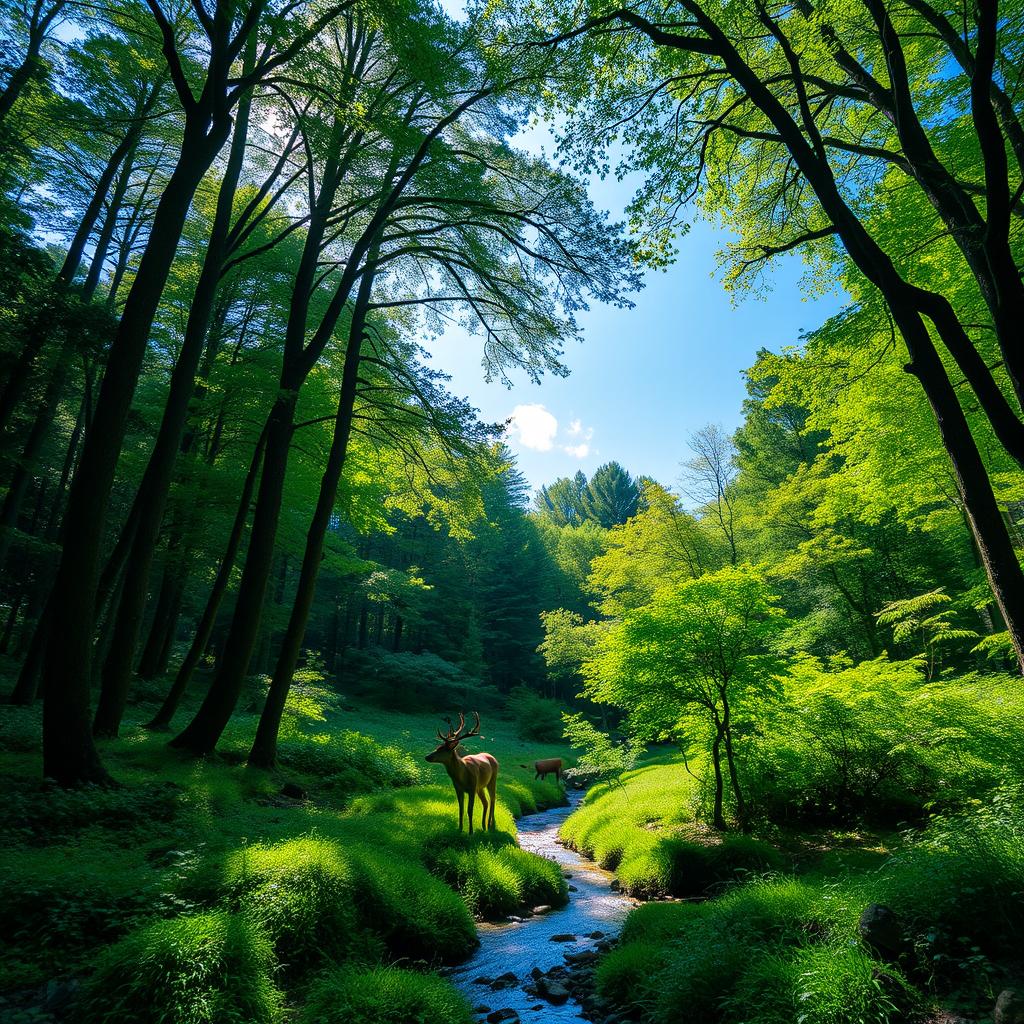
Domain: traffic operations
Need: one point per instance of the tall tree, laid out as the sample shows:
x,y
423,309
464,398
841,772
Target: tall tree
x,y
611,496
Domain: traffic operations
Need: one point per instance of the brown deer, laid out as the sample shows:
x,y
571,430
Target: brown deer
x,y
548,766
475,774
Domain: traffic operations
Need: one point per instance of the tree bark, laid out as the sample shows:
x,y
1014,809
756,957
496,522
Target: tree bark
x,y
69,754
264,749
156,481
204,629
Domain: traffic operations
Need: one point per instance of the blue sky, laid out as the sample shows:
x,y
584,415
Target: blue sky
x,y
643,379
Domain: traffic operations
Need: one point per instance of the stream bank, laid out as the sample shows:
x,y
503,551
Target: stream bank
x,y
534,968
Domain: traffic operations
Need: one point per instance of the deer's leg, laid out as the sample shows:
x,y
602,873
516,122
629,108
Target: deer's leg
x,y
483,810
462,797
472,802
493,788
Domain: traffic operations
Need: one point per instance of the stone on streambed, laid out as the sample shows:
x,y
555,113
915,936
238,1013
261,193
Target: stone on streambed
x,y
502,1016
544,908
584,957
506,980
553,991
563,937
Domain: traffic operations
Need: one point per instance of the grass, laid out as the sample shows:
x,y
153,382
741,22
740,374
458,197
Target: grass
x,y
384,995
644,829
778,946
211,860
213,968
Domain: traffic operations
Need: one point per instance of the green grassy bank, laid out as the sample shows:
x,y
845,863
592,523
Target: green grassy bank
x,y
767,929
203,891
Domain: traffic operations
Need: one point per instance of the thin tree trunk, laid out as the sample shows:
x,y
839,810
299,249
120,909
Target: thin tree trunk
x,y
220,585
99,256
718,814
264,749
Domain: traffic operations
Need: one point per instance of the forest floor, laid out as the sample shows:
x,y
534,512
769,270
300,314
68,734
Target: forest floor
x,y
347,854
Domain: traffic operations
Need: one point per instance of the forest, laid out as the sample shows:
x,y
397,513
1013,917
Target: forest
x,y
258,553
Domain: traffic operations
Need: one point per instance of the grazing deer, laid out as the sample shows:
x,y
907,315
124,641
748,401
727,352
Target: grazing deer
x,y
548,766
475,774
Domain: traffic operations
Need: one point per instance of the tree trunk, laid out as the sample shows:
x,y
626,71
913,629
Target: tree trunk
x,y
264,749
164,621
76,249
730,755
718,813
220,585
202,733
18,486
99,256
69,754
156,481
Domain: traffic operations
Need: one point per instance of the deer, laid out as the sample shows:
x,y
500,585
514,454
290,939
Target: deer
x,y
473,774
548,766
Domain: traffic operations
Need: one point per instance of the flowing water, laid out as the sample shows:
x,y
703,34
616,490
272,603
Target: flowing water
x,y
520,946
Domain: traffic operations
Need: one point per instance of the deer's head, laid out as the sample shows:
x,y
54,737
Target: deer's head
x,y
450,740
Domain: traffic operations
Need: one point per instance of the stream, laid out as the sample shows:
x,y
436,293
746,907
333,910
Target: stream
x,y
517,947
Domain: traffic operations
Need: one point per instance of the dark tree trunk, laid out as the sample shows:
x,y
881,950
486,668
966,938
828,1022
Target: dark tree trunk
x,y
99,256
164,621
264,749
208,619
202,733
69,754
718,810
12,618
156,481
364,626
18,486
73,258
396,645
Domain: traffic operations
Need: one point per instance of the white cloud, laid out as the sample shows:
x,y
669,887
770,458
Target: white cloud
x,y
534,427
581,449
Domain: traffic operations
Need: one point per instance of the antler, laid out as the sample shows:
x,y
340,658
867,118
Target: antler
x,y
458,733
462,725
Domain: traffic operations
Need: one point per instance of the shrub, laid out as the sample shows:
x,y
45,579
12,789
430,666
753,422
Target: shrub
x,y
535,717
210,968
50,814
416,915
384,995
496,877
302,893
349,760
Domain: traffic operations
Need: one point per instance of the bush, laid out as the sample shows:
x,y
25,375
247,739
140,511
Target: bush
x,y
349,761
210,968
497,878
416,915
385,995
874,742
302,893
535,717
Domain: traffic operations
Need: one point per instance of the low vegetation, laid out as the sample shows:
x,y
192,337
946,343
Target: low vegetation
x,y
224,894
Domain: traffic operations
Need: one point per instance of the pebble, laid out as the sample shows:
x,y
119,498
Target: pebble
x,y
544,908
